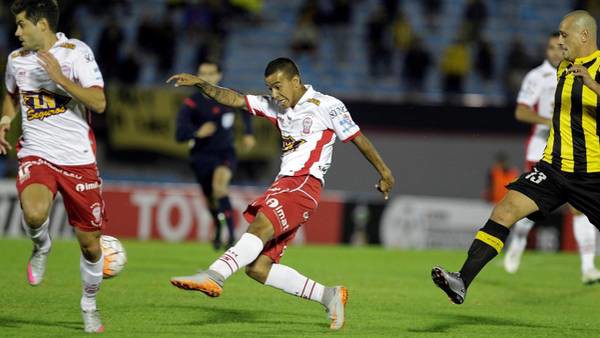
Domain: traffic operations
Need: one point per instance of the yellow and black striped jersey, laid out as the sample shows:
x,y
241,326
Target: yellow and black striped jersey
x,y
573,144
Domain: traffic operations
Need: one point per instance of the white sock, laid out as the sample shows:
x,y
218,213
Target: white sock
x,y
519,235
291,281
39,235
91,277
244,252
585,234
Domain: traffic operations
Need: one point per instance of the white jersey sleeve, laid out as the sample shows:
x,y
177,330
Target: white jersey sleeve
x,y
9,78
337,118
85,69
531,90
263,106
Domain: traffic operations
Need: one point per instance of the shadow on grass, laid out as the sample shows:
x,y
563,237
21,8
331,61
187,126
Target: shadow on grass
x,y
453,321
210,315
13,322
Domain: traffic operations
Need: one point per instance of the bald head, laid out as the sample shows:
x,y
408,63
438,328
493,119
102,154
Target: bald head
x,y
578,33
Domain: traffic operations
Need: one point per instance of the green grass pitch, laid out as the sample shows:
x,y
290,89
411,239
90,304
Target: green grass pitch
x,y
391,295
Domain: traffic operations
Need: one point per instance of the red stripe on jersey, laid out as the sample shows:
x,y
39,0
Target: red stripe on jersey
x,y
92,138
258,112
355,135
315,154
190,103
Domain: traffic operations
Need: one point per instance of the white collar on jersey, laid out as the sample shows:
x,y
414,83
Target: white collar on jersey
x,y
548,66
61,38
310,92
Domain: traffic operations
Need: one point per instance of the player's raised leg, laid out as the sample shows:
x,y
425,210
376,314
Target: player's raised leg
x,y
36,200
585,235
265,271
223,208
488,242
244,252
90,265
518,242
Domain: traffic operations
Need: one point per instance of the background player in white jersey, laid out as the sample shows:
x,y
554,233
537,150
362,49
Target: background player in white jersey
x,y
56,81
535,104
309,122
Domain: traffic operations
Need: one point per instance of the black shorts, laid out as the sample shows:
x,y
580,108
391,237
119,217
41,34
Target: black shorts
x,y
204,168
550,188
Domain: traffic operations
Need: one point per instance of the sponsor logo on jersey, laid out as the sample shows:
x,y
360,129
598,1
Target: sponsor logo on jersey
x,y
289,144
337,110
81,187
273,203
43,104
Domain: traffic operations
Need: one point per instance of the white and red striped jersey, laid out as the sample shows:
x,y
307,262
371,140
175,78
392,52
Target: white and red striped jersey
x,y
308,130
537,92
55,126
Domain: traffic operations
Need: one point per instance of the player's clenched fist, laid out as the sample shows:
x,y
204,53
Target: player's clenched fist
x,y
185,80
385,185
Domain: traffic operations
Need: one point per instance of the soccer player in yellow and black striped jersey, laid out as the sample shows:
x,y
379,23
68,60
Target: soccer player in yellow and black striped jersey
x,y
570,169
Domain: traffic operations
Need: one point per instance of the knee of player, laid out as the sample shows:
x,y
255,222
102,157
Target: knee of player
x,y
35,215
219,192
505,213
91,250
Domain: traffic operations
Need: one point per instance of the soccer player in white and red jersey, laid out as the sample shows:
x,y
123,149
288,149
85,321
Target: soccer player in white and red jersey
x,y
55,82
535,104
309,123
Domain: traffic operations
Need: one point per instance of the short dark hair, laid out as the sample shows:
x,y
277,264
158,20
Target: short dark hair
x,y
555,34
35,10
285,65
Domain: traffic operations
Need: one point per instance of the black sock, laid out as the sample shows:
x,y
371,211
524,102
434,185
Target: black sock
x,y
215,215
225,215
487,244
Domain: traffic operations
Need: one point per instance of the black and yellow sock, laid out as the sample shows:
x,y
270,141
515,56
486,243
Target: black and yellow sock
x,y
487,244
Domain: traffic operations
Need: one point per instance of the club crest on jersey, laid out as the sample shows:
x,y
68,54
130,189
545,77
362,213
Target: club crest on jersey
x,y
306,124
289,144
43,104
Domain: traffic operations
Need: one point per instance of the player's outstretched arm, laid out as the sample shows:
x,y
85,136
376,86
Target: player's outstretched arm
x,y
93,97
370,153
224,96
524,113
9,111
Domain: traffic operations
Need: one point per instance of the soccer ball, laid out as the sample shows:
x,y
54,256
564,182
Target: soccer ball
x,y
115,256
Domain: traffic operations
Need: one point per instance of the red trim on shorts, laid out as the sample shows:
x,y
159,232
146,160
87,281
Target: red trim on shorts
x,y
190,103
315,154
355,135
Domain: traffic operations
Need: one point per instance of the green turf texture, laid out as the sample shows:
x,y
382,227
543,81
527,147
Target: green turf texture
x,y
391,295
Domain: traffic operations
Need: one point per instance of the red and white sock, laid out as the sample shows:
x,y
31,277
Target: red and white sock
x,y
291,281
91,277
585,234
244,252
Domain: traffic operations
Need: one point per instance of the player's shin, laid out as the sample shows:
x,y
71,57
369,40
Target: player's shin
x,y
585,234
91,277
291,281
244,252
487,244
38,235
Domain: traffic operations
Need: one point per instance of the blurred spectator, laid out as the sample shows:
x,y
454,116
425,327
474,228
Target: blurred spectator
x,y
431,10
129,68
455,66
378,49
475,17
416,65
111,39
500,175
336,21
248,10
518,64
402,31
484,60
164,45
146,34
305,38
